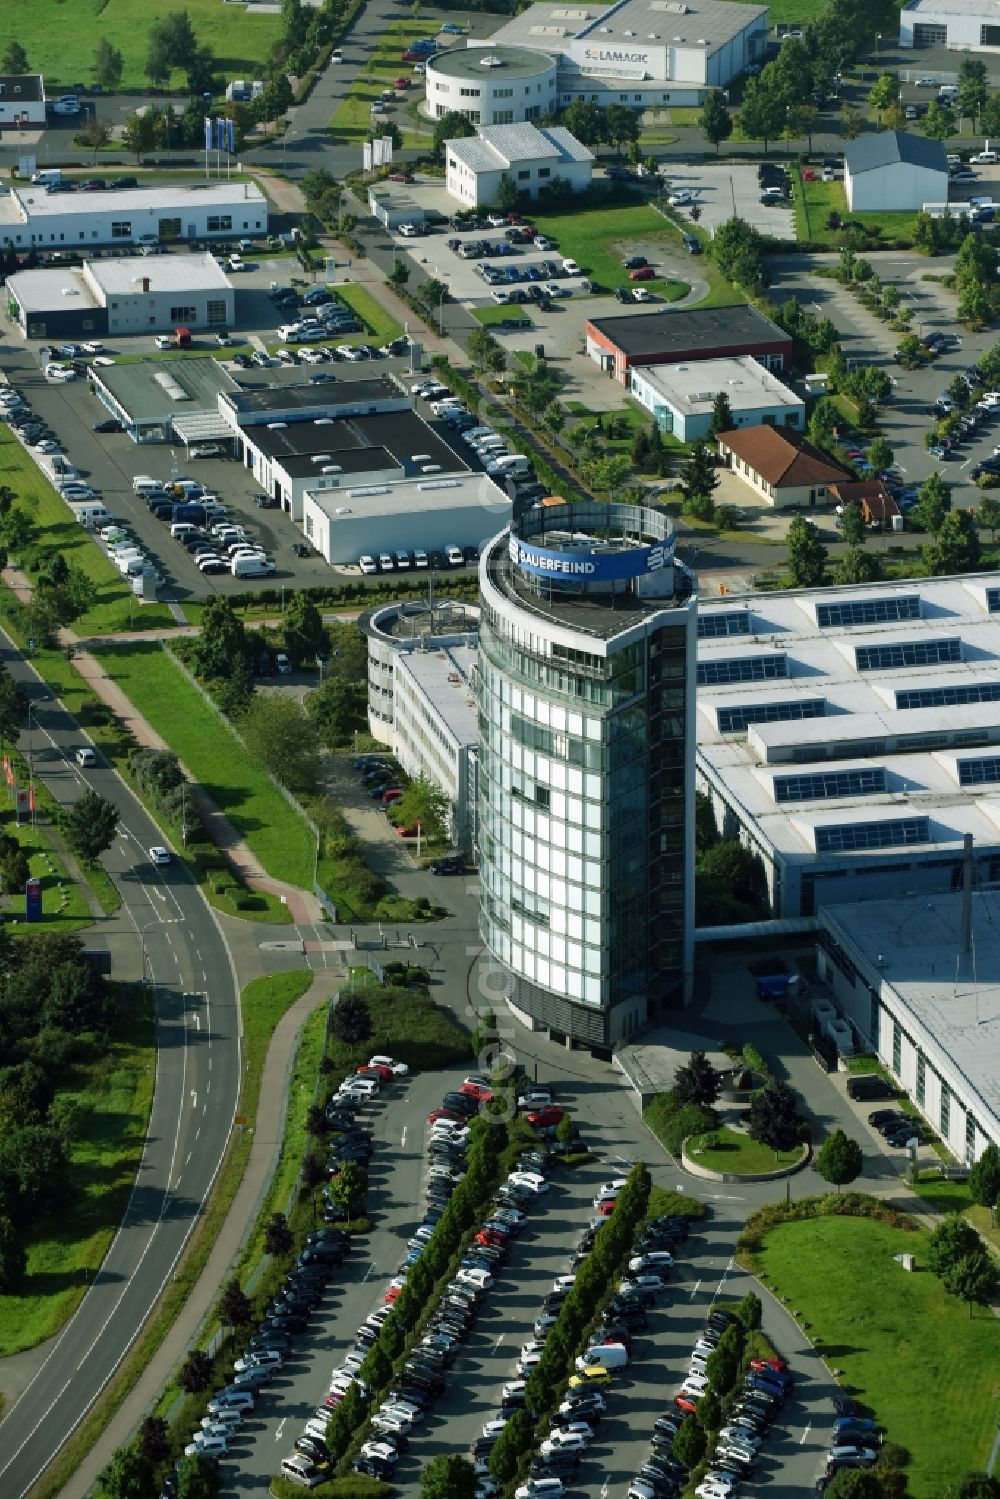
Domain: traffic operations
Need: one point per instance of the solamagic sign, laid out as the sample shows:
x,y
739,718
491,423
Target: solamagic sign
x,y
583,566
630,55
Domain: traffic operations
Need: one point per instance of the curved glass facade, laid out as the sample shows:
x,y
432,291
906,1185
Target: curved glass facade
x,y
586,703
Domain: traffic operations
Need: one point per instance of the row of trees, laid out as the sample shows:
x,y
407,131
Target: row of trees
x,y
957,1255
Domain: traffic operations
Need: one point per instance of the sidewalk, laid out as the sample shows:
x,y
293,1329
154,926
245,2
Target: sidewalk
x,y
232,1234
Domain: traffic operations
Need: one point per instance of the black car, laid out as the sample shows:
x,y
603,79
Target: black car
x,y
242,361
373,1467
111,424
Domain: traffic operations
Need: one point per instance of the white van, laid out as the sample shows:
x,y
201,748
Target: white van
x,y
145,484
300,1470
47,176
455,556
85,757
947,92
604,1356
90,515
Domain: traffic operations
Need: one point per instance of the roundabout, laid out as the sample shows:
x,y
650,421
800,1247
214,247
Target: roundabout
x,y
729,1155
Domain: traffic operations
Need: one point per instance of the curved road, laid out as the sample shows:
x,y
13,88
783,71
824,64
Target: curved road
x,y
197,1086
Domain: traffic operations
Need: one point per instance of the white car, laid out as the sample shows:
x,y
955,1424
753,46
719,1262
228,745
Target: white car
x,y
737,1451
704,1347
680,197
205,450
103,361
398,1069
59,372
529,1180
651,1261
695,1384
163,341
266,1359
159,855
381,1450
95,347
368,564
556,289
350,353
564,1283
708,1490
493,1428
408,231
316,1428
231,1418
540,1488
558,1442
570,268
741,1436
311,356
515,1387
481,1279
206,1446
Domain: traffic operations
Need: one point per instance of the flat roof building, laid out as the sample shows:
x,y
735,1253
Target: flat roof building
x,y
402,511
399,628
918,984
436,728
475,166
22,102
851,736
491,85
663,336
165,400
643,53
134,294
586,770
31,216
681,397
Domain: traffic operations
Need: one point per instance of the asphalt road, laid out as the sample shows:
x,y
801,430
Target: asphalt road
x,y
197,1086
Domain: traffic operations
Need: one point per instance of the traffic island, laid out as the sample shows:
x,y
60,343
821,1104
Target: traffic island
x,y
728,1155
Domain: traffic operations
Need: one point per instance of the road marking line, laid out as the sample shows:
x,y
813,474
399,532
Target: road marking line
x,y
194,1100
188,1157
805,1433
197,1021
402,1138
281,1427
499,1340
697,1288
368,1272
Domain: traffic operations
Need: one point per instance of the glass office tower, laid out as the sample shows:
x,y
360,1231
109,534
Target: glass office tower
x,y
587,741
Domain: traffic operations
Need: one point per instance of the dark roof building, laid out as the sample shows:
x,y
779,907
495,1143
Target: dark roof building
x,y
664,336
22,101
877,506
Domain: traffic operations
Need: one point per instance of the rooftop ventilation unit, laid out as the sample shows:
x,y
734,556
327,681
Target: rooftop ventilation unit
x,y
169,385
492,61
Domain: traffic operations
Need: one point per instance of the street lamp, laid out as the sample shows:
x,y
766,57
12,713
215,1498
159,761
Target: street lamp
x,y
444,293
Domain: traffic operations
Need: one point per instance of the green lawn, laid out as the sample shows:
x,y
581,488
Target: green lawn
x,y
909,1351
154,683
379,324
490,316
61,44
598,239
813,201
66,1248
352,119
725,1149
57,529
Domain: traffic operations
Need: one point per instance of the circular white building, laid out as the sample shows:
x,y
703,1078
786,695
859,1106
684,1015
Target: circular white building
x,y
491,85
586,812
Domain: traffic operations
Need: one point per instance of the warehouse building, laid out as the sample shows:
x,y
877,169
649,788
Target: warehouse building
x,y
475,167
681,397
30,216
851,736
22,102
963,25
399,629
916,981
647,54
894,171
662,336
148,295
165,400
436,729
366,515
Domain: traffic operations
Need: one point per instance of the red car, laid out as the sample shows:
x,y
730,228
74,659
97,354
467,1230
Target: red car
x,y
607,1208
401,177
408,832
490,1239
384,1074
392,795
411,56
391,1294
686,1403
401,83
477,1090
437,1114
642,273
763,1364
543,1118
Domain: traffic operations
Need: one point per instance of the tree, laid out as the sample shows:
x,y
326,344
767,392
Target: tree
x,y
709,1411
109,64
338,708
984,1178
740,873
197,1478
989,120
513,1441
852,525
850,122
222,646
973,87
139,134
90,825
282,738
762,113
974,1279
451,126
857,566
738,251
508,196
278,1237
583,119
127,1476
690,1442
880,455
750,1311
235,1308
806,554
884,93
698,478
196,1372
722,415
154,1440
933,504
620,125
976,1485
608,472
715,119
955,548
855,1483
96,134
348,1187
425,803
802,120
15,60
988,514
13,1258
351,1019
302,625
448,1476
13,705
938,123
484,351
773,1117
953,1240
697,1081
839,1160
722,1369
564,1131
823,423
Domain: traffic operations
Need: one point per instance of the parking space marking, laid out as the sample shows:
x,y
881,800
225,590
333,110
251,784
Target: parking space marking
x,y
402,1139
281,1427
499,1340
368,1272
805,1433
697,1288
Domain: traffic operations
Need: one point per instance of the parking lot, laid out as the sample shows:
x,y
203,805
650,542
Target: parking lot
x,y
722,191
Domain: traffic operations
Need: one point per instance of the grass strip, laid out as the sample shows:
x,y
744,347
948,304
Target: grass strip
x,y
114,1093
257,1013
56,531
888,1331
277,834
725,1149
378,323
